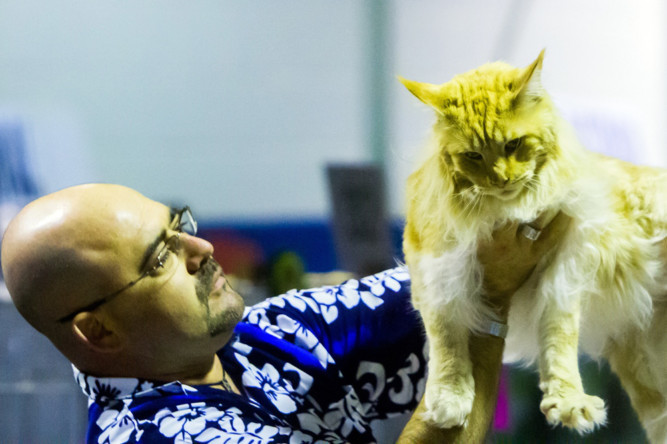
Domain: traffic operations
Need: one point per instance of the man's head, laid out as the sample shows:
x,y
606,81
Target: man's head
x,y
166,306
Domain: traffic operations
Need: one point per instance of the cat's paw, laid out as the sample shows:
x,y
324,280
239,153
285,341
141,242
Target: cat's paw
x,y
578,411
448,406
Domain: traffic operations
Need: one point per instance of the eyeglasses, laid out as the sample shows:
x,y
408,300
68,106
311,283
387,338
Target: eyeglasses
x,y
183,222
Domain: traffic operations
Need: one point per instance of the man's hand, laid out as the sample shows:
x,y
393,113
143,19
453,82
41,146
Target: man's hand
x,y
509,258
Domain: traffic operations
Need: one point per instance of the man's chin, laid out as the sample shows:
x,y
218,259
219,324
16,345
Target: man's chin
x,y
225,321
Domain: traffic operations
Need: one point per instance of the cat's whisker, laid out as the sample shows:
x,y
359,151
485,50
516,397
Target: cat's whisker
x,y
470,202
530,186
474,205
531,183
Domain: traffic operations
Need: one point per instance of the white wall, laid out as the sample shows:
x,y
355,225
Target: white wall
x,y
235,106
604,59
230,106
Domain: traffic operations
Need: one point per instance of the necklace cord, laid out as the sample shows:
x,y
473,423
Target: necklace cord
x,y
223,382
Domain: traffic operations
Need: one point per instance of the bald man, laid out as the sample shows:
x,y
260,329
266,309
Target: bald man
x,y
166,350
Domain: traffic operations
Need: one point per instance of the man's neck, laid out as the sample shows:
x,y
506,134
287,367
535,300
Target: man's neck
x,y
209,373
216,377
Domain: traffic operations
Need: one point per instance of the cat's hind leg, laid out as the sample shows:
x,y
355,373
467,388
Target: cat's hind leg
x,y
564,401
450,387
639,362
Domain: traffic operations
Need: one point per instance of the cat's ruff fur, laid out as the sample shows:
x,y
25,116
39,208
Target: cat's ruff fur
x,y
602,290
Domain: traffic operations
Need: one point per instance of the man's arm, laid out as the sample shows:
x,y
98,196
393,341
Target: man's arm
x,y
486,356
508,260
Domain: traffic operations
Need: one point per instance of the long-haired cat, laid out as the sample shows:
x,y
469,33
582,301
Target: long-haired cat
x,y
500,152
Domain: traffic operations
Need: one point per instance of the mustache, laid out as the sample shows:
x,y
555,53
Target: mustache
x,y
206,273
208,269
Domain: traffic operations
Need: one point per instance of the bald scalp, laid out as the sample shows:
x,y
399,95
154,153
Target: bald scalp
x,y
49,252
41,284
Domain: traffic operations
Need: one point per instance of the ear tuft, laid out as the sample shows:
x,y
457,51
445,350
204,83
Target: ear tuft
x,y
530,83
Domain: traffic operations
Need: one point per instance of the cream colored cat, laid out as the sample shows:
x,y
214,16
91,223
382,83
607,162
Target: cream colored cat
x,y
500,152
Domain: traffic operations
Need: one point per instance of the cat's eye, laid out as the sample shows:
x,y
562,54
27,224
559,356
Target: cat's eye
x,y
512,146
474,155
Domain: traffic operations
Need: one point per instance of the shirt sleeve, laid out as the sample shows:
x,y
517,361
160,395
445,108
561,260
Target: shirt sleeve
x,y
370,319
371,333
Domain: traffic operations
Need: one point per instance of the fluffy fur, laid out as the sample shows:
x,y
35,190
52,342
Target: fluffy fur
x,y
500,152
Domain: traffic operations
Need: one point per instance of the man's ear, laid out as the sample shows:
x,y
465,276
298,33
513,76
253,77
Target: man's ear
x,y
94,333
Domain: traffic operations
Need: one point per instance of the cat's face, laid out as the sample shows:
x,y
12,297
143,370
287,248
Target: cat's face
x,y
494,128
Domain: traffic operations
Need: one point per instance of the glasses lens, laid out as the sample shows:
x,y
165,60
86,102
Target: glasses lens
x,y
188,224
161,257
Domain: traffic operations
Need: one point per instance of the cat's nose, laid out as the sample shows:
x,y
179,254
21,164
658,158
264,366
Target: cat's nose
x,y
502,181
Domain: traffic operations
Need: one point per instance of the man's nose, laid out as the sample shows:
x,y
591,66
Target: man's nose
x,y
196,251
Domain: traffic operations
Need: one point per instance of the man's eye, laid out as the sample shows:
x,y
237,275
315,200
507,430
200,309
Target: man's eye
x,y
171,246
161,260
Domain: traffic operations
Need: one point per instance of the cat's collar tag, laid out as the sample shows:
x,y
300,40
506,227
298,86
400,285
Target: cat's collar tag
x,y
494,329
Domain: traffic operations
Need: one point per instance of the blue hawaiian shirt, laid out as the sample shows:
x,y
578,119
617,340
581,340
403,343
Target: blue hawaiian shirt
x,y
313,366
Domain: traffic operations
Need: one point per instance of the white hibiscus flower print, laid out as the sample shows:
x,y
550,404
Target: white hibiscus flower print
x,y
346,415
296,300
391,279
305,339
340,417
312,422
259,318
348,293
118,426
186,422
232,430
298,437
268,380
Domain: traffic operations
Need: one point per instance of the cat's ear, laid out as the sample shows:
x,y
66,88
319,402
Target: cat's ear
x,y
428,93
530,82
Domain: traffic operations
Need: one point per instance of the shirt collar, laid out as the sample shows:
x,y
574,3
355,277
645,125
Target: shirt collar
x,y
105,390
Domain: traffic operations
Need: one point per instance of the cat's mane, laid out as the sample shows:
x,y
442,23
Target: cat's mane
x,y
471,217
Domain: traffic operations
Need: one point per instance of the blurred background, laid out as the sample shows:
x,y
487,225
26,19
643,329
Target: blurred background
x,y
282,125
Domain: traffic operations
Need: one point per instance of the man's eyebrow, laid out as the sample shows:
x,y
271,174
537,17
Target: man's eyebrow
x,y
150,250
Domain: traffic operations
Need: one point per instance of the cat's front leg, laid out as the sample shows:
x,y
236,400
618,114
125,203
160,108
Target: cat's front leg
x,y
564,401
450,387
